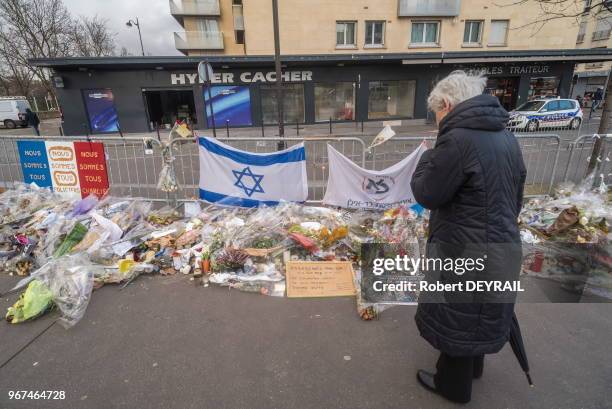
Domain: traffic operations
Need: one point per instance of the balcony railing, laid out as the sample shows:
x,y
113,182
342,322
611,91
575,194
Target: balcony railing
x,y
238,17
428,8
601,35
195,8
198,40
580,38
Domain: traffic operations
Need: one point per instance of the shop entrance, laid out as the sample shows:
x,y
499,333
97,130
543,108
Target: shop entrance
x,y
505,89
166,106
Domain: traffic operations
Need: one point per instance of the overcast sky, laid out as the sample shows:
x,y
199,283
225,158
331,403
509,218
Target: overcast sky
x,y
156,23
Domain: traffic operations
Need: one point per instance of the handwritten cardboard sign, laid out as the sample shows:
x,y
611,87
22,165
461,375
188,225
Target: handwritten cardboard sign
x,y
319,279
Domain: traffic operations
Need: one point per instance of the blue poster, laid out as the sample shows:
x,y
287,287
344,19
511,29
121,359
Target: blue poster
x,y
101,110
230,103
34,163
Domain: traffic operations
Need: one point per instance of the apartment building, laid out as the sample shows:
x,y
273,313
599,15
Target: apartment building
x,y
244,27
594,31
342,61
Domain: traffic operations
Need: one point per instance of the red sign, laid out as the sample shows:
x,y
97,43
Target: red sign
x,y
91,163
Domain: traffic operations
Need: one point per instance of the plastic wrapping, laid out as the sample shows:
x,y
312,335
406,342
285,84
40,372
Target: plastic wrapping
x,y
35,301
566,238
70,280
167,179
117,239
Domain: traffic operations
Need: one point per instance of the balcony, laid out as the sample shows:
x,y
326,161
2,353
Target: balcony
x,y
238,17
198,40
181,8
428,8
601,35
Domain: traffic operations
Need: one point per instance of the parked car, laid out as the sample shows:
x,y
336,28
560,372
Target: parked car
x,y
546,113
13,111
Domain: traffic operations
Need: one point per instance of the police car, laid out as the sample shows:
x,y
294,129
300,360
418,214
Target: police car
x,y
546,113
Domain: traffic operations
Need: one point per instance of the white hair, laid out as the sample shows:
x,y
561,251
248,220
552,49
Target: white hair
x,y
455,88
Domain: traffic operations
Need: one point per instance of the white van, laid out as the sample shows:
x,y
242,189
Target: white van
x,y
13,111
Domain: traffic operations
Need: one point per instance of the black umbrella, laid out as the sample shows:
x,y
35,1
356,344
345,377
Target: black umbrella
x,y
518,347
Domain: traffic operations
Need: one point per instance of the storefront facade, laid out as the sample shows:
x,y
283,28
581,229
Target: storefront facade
x,y
135,95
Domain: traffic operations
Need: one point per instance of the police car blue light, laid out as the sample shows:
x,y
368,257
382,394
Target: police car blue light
x,y
546,113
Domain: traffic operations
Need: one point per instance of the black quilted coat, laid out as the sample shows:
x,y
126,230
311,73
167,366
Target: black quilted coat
x,y
472,181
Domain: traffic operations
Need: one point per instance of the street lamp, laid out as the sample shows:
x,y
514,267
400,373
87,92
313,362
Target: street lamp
x,y
131,23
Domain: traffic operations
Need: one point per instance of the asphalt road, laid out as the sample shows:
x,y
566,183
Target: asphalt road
x,y
164,343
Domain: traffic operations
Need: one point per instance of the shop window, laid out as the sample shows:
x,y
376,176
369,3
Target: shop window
x,y
472,34
345,33
542,87
424,33
165,107
505,89
375,34
335,101
100,104
498,36
231,105
389,99
293,103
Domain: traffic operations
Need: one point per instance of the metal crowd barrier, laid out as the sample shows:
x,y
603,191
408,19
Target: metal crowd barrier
x,y
540,153
580,151
133,171
186,159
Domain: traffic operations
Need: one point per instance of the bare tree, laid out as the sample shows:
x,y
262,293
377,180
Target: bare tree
x,y
35,29
45,29
92,38
550,10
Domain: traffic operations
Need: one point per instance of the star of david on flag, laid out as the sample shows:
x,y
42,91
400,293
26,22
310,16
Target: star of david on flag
x,y
234,177
256,185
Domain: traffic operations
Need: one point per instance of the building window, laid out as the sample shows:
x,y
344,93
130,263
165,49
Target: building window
x,y
208,25
375,33
293,103
472,35
345,34
239,36
499,32
587,6
389,99
424,33
602,28
335,101
581,32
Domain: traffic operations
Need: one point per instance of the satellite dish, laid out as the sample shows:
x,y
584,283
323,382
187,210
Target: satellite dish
x,y
205,71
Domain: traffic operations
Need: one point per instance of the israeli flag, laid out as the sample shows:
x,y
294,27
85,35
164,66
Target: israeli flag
x,y
230,176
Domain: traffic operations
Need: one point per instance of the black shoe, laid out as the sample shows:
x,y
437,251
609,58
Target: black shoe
x,y
426,379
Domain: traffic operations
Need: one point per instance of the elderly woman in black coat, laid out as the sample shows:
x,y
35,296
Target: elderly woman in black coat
x,y
472,181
